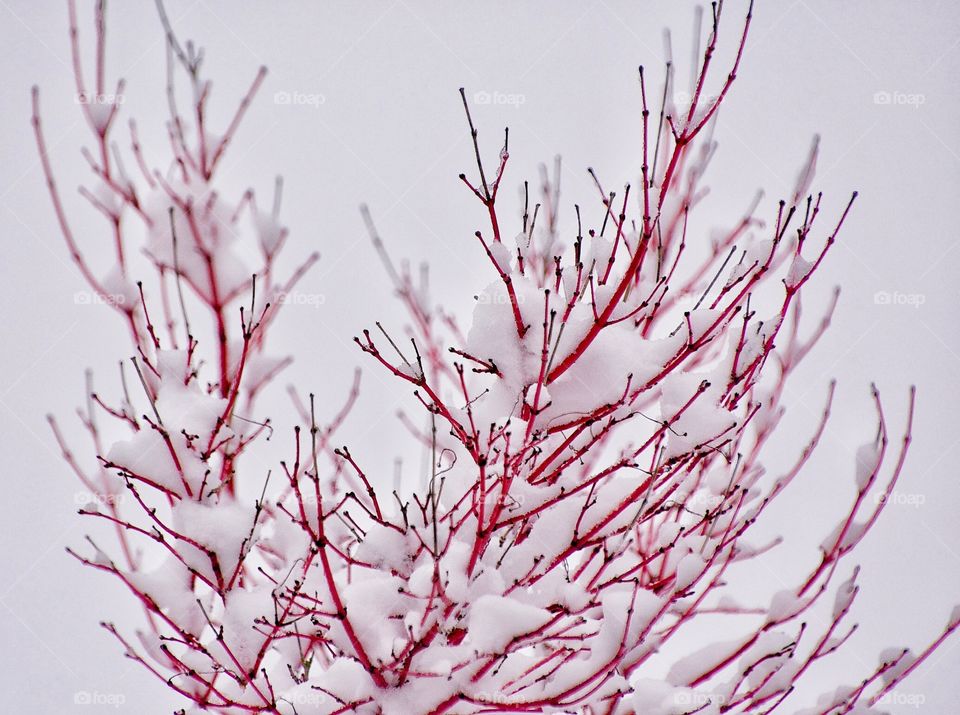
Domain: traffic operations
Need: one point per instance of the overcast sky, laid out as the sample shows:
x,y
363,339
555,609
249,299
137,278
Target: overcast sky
x,y
361,105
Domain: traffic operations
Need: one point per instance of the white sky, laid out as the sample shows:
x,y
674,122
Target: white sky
x,y
388,129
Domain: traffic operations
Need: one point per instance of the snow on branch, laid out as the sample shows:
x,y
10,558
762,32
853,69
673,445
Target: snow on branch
x,y
597,438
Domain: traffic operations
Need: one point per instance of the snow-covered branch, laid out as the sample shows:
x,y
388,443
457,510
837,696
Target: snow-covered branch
x,y
597,439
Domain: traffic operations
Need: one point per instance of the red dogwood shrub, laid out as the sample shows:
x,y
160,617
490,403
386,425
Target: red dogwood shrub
x,y
596,431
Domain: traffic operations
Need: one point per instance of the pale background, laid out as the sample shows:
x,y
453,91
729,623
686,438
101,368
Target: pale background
x,y
386,127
